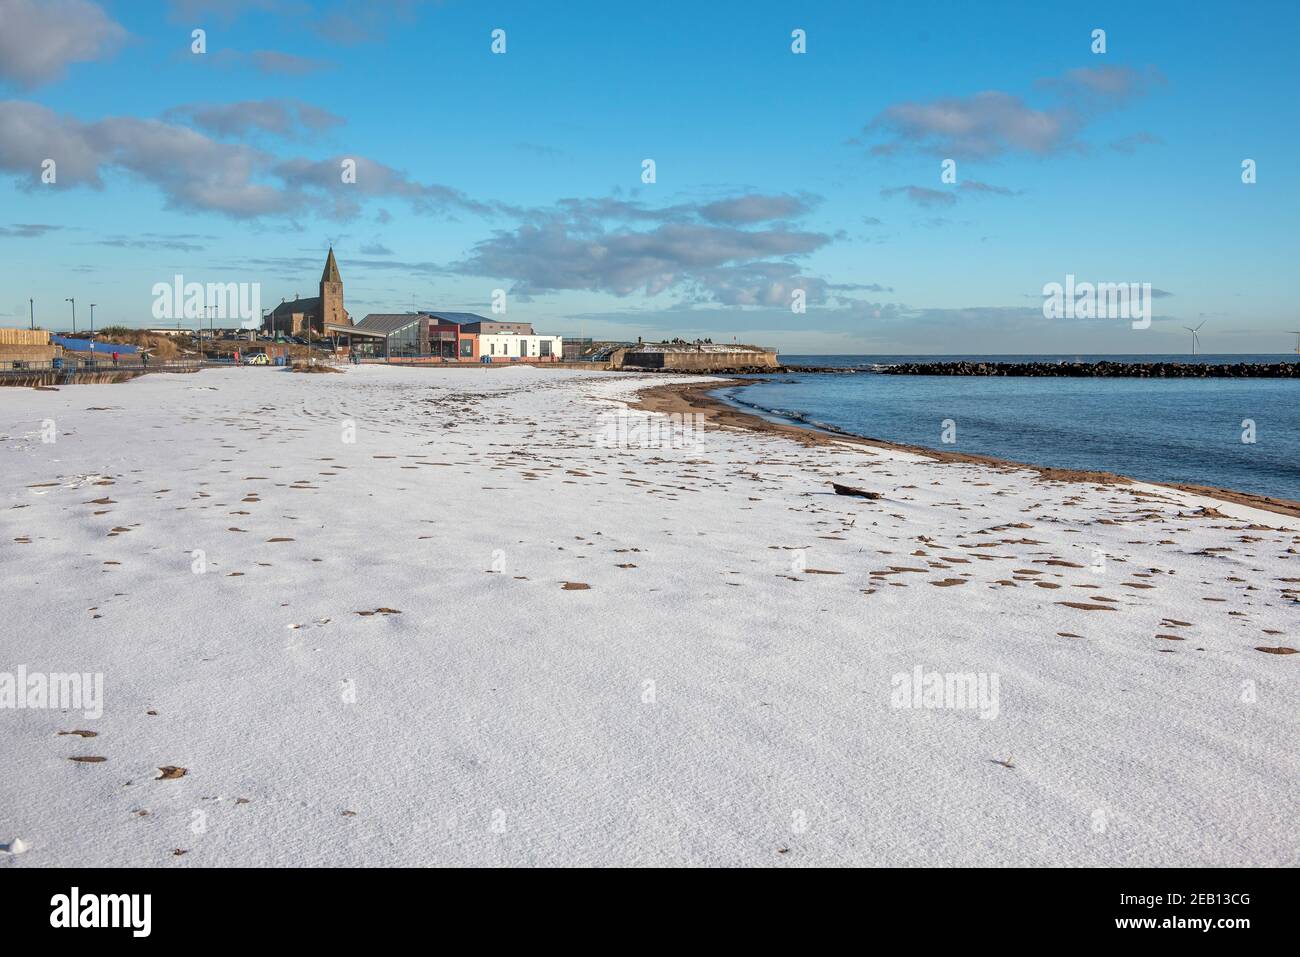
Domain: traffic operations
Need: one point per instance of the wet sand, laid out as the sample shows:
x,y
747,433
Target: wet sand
x,y
697,397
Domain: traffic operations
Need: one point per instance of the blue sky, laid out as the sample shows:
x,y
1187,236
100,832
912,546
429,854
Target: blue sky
x,y
775,171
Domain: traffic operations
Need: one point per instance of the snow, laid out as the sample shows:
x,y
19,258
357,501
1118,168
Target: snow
x,y
722,702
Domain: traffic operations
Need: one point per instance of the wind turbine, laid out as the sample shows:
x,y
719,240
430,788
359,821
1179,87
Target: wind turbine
x,y
1195,340
1297,341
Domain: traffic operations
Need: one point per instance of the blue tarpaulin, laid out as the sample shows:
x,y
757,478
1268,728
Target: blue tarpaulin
x,y
85,345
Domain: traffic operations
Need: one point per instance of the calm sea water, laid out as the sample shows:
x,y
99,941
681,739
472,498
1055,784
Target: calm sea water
x,y
1164,430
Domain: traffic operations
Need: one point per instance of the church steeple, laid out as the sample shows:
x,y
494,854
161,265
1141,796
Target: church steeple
x,y
331,295
331,273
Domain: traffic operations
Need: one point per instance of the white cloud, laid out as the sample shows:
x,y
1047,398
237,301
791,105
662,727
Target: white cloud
x,y
281,117
194,171
40,38
993,122
688,248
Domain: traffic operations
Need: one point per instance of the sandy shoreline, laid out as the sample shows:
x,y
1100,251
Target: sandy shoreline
x,y
414,617
697,397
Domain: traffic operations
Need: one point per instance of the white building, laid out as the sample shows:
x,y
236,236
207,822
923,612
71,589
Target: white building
x,y
502,347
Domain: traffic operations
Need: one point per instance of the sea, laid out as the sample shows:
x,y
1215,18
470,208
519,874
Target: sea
x,y
1242,434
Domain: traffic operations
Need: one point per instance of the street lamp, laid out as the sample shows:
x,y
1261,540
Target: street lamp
x,y
74,314
92,325
31,305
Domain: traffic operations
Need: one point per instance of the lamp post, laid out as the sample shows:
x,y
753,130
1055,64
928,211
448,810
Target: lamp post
x,y
31,305
74,314
92,326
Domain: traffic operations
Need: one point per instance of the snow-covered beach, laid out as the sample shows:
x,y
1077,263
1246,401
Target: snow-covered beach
x,y
433,617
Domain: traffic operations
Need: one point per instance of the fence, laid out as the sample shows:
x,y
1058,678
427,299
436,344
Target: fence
x,y
103,364
24,337
45,373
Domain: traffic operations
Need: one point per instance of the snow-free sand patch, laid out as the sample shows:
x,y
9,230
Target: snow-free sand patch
x,y
416,616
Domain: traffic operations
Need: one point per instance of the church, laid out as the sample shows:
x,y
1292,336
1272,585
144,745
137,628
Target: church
x,y
297,316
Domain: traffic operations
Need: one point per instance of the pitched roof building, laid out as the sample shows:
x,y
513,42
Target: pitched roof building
x,y
421,334
471,322
298,315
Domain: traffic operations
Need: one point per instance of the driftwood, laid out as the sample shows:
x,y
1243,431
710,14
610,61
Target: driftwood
x,y
850,490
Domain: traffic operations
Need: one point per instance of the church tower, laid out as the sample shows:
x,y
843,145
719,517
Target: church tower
x,y
331,295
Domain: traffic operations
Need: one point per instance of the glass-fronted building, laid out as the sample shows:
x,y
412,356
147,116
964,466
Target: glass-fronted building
x,y
411,335
405,334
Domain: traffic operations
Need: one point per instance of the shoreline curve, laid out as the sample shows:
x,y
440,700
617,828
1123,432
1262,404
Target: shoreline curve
x,y
696,397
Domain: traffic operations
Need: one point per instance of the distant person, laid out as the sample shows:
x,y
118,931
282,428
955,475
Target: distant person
x,y
114,357
236,357
144,360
